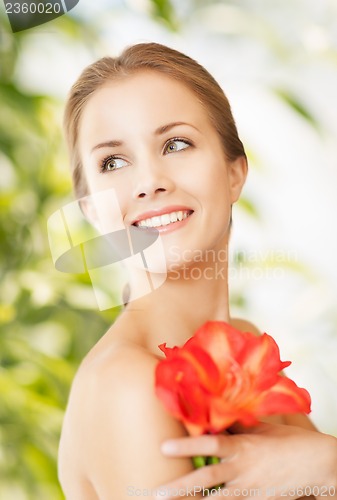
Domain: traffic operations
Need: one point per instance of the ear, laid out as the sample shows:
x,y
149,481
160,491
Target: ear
x,y
237,172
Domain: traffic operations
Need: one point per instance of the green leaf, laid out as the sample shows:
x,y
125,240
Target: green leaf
x,y
248,206
163,10
299,107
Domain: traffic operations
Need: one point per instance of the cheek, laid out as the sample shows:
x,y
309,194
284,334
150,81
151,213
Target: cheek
x,y
107,208
211,180
95,180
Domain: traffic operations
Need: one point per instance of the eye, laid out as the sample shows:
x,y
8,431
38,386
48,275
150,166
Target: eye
x,y
112,163
176,144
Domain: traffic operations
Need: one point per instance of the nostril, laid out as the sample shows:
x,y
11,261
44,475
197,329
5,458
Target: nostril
x,y
158,190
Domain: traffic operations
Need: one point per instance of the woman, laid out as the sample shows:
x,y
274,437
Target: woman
x,y
155,128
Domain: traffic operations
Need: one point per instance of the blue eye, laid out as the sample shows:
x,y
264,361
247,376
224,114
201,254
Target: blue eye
x,y
112,163
174,145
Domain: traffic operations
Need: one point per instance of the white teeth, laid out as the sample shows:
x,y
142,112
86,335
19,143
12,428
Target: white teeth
x,y
155,221
174,217
163,220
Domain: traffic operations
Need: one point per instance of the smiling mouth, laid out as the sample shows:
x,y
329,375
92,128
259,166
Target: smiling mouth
x,y
163,220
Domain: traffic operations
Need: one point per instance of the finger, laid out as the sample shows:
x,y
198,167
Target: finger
x,y
256,429
219,445
196,482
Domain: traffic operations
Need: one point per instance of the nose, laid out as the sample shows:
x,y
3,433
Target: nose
x,y
151,179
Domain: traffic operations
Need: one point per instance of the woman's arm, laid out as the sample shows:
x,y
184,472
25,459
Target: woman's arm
x,y
122,425
268,461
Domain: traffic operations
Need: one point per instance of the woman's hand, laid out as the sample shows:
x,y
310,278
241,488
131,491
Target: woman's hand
x,y
266,461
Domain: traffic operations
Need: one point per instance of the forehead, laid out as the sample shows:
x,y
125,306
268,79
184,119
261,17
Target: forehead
x,y
145,98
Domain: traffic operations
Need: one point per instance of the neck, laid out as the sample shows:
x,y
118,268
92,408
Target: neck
x,y
187,299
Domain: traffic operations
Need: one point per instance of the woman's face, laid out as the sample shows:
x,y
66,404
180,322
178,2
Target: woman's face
x,y
149,139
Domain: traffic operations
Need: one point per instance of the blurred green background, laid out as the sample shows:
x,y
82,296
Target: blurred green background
x,y
278,63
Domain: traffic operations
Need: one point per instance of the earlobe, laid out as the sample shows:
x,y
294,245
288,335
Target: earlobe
x,y
238,172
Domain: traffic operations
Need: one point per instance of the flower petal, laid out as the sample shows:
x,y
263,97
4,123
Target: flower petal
x,y
207,370
220,340
221,376
177,385
261,358
284,397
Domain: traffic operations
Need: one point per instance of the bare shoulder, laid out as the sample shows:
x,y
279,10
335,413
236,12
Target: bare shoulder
x,y
244,325
115,424
104,377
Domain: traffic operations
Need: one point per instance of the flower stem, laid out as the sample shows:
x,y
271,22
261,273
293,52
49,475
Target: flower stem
x,y
199,461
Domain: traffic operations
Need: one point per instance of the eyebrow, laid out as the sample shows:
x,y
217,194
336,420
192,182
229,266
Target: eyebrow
x,y
107,144
159,131
165,128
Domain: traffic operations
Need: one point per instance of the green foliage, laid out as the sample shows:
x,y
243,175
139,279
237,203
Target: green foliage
x,y
45,328
248,206
164,11
295,103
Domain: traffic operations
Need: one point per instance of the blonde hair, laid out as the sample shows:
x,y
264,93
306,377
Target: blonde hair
x,y
153,57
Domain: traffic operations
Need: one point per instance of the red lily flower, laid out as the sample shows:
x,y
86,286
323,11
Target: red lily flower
x,y
222,376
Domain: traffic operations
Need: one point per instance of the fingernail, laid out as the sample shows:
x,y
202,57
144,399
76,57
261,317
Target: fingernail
x,y
168,448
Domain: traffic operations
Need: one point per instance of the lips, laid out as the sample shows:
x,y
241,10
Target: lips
x,y
162,218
